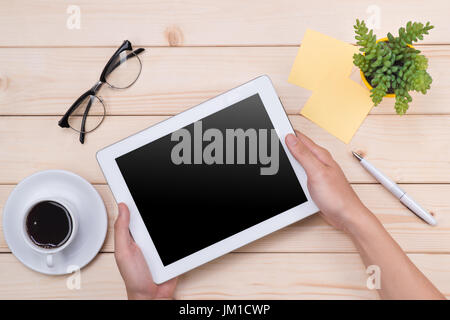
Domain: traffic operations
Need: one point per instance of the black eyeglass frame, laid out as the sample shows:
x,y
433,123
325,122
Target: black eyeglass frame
x,y
64,121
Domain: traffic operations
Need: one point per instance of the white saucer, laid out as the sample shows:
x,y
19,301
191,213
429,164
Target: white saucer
x,y
92,217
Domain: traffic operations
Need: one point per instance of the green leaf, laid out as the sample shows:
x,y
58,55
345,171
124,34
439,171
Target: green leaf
x,y
393,64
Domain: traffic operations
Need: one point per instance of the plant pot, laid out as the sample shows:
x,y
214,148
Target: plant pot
x,y
367,84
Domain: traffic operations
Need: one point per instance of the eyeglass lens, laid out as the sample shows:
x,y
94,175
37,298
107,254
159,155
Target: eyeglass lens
x,y
92,111
123,70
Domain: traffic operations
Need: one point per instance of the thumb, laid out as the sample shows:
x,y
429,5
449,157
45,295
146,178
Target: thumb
x,y
122,237
304,156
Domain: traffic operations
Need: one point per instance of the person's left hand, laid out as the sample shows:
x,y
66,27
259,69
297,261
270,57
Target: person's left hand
x,y
132,265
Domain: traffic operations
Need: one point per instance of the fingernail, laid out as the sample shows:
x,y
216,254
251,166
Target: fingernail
x,y
291,140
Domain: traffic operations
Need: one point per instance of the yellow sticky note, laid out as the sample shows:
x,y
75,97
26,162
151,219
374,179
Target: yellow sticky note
x,y
317,56
338,106
323,65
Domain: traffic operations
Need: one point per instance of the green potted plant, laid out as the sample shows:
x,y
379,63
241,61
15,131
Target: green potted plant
x,y
391,66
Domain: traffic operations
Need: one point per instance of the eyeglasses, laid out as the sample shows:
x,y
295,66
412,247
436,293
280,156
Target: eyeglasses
x,y
88,111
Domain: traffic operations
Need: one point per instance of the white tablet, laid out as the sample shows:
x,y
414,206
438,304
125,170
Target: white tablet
x,y
208,180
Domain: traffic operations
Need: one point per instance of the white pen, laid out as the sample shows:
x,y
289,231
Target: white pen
x,y
396,190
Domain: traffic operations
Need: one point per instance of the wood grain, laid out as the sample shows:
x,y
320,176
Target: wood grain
x,y
410,149
197,49
206,23
315,235
99,280
46,81
233,276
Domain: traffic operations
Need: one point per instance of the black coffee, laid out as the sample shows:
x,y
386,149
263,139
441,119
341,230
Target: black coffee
x,y
49,224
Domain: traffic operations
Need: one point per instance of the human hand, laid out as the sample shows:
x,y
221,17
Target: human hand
x,y
341,207
327,184
132,265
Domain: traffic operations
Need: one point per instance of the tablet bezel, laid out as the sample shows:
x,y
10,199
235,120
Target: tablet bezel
x,y
106,158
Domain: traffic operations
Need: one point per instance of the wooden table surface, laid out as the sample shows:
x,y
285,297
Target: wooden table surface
x,y
197,49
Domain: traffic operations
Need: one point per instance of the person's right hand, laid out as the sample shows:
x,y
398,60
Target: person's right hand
x,y
327,184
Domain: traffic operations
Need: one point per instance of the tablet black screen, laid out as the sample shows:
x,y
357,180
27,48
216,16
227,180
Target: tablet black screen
x,y
188,207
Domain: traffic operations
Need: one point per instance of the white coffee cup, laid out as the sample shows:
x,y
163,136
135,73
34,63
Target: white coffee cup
x,y
48,253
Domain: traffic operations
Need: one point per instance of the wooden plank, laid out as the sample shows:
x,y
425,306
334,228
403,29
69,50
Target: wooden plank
x,y
233,276
315,235
46,81
99,280
205,23
29,144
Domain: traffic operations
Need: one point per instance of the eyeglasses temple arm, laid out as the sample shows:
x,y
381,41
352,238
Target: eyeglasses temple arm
x,y
130,55
83,121
126,45
64,121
